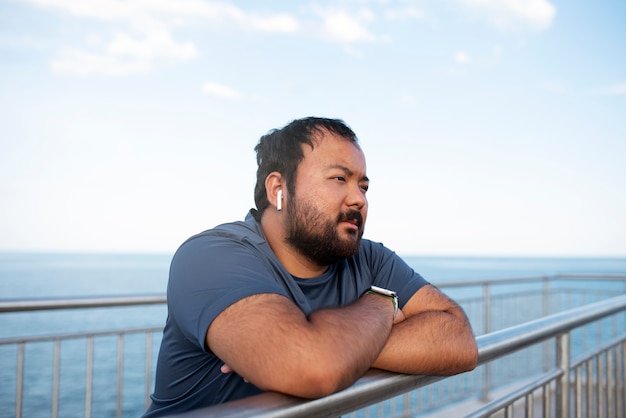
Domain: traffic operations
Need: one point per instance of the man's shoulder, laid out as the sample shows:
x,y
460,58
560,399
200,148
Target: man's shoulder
x,y
246,230
369,247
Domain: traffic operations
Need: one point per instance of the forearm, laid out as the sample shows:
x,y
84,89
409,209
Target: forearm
x,y
303,356
431,342
351,338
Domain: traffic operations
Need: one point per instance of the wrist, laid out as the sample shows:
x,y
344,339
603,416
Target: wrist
x,y
389,294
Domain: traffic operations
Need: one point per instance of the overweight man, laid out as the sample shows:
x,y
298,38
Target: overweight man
x,y
292,299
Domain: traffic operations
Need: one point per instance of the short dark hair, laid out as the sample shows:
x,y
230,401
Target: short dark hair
x,y
281,150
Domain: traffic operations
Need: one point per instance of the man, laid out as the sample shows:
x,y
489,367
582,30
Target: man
x,y
283,300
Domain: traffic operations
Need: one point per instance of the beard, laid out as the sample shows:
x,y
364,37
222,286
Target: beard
x,y
317,237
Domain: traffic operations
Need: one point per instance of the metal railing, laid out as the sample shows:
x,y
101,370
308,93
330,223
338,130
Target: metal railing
x,y
116,353
90,337
379,385
494,307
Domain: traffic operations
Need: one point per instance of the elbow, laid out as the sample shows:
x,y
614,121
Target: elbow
x,y
471,358
320,383
458,358
467,358
310,382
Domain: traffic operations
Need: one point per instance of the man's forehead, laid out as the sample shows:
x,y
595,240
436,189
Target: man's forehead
x,y
322,136
332,150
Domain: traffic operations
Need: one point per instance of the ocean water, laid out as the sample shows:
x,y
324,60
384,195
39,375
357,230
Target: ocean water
x,y
38,275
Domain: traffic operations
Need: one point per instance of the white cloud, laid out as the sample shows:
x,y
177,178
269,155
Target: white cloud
x,y
553,87
346,27
125,54
77,62
280,24
131,10
461,57
142,36
508,13
221,91
618,89
405,13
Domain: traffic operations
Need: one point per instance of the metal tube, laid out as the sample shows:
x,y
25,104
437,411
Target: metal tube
x,y
621,380
546,400
562,387
78,303
55,378
529,405
120,374
589,364
578,392
599,377
19,384
148,368
610,407
89,377
546,311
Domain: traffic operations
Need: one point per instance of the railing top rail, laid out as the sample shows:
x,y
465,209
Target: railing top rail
x,y
537,278
375,386
505,341
77,335
583,276
78,303
379,385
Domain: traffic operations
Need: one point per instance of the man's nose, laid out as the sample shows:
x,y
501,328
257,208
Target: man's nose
x,y
356,197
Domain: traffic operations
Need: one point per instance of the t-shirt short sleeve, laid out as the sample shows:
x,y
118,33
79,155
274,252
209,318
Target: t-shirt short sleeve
x,y
390,271
210,273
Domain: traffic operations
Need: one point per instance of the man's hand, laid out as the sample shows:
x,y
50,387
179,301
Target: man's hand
x,y
226,369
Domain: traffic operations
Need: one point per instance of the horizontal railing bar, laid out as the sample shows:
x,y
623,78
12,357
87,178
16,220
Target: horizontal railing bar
x,y
78,303
68,336
375,386
379,385
515,338
517,394
577,276
503,281
544,379
524,279
580,360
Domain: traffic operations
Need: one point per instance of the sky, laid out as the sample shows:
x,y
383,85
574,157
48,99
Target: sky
x,y
490,127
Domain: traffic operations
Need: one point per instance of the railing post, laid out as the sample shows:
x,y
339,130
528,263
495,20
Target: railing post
x,y
487,329
562,386
546,310
19,382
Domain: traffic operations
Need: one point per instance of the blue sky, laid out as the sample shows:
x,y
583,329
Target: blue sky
x,y
490,127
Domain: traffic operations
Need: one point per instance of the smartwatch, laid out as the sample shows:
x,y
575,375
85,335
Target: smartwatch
x,y
388,294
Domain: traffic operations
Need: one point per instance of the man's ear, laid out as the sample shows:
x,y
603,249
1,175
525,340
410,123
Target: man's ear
x,y
276,190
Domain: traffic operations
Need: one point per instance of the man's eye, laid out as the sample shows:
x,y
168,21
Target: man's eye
x,y
340,178
365,188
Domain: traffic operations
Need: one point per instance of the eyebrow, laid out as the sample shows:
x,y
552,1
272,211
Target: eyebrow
x,y
346,170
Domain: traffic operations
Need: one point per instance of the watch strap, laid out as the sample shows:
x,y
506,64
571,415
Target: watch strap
x,y
390,294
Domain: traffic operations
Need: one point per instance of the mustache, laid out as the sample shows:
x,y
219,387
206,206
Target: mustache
x,y
352,215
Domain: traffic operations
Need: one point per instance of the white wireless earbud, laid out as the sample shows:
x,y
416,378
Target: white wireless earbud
x,y
279,200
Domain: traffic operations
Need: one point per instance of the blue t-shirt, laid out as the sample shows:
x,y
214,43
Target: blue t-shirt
x,y
218,267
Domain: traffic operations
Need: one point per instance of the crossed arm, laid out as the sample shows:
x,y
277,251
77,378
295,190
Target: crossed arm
x,y
435,338
269,341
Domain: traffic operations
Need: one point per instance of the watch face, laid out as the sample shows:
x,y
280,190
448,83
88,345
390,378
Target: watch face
x,y
383,291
